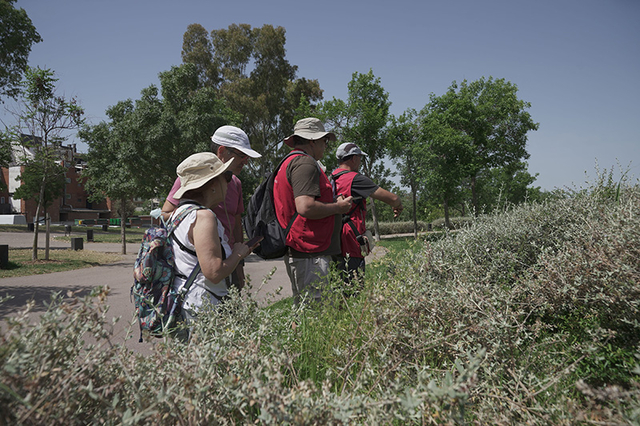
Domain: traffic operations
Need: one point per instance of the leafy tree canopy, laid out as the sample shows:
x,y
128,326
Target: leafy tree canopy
x,y
362,119
408,153
248,69
5,151
507,185
42,113
17,35
33,177
46,118
473,128
135,153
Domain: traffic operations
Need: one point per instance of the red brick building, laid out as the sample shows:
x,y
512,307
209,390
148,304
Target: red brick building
x,y
74,202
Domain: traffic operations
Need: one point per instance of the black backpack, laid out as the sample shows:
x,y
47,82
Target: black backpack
x,y
260,218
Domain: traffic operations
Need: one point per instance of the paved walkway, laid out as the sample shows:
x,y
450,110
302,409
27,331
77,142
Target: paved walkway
x,y
118,276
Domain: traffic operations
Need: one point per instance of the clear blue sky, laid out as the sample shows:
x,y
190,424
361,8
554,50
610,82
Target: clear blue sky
x,y
576,61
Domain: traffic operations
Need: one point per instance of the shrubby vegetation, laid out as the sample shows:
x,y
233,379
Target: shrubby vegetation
x,y
529,316
388,228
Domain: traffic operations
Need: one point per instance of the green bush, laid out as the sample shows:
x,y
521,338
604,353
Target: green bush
x,y
525,317
388,228
456,222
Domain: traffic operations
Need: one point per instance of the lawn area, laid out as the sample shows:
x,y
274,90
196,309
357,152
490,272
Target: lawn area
x,y
20,263
111,235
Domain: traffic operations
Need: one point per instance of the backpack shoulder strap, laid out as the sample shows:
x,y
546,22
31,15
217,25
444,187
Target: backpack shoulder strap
x,y
353,227
291,154
295,214
196,270
192,205
340,173
334,181
346,218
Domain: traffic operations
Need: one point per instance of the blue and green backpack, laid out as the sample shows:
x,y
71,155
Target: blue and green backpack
x,y
157,305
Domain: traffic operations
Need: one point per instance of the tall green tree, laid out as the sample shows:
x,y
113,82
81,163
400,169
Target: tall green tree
x,y
135,153
5,152
31,178
114,168
476,127
17,35
197,50
408,154
34,175
362,119
249,70
507,185
47,118
446,154
190,114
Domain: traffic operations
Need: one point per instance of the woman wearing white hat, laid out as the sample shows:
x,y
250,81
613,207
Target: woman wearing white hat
x,y
203,178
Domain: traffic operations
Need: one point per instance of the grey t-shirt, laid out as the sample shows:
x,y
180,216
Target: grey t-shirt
x,y
363,186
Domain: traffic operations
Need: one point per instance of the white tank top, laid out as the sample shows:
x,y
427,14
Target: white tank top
x,y
185,262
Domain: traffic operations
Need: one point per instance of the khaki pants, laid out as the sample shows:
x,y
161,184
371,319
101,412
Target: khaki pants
x,y
308,276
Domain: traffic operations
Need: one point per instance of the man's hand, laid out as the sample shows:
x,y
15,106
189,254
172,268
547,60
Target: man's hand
x,y
344,204
311,208
390,198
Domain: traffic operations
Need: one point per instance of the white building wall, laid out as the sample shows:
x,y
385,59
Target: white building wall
x,y
13,184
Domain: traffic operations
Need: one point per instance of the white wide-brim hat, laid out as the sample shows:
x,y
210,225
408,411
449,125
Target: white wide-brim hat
x,y
234,137
309,128
198,169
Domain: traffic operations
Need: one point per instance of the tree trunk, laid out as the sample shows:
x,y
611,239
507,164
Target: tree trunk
x,y
415,210
123,233
47,221
474,197
445,205
374,216
36,226
34,253
376,228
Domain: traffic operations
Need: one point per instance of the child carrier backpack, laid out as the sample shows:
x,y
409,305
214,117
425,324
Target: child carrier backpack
x,y
156,304
260,218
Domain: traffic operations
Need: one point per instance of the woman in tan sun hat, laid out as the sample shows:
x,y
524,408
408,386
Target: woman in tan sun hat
x,y
203,181
227,142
